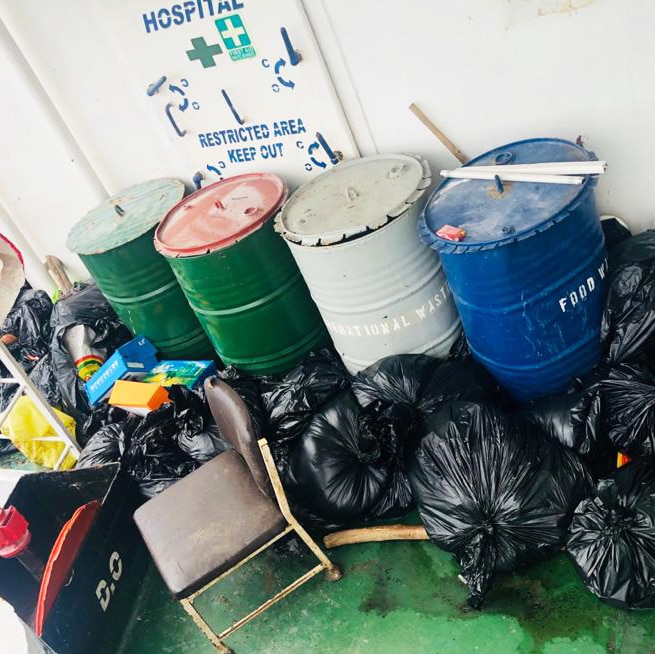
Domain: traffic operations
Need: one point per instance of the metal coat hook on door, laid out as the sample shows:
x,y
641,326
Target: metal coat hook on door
x,y
235,113
197,180
155,86
169,114
294,56
334,159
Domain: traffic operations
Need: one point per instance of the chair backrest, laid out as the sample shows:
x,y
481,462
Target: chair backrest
x,y
235,425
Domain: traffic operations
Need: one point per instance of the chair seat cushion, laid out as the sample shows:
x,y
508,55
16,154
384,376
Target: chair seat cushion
x,y
207,522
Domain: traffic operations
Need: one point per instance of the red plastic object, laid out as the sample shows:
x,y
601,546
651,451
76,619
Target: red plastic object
x,y
622,459
14,533
450,233
14,248
62,556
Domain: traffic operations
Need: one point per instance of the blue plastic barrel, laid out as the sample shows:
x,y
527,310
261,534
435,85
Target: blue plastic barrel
x,y
528,276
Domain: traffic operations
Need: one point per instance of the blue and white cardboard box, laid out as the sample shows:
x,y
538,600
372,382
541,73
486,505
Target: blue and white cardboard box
x,y
191,374
130,361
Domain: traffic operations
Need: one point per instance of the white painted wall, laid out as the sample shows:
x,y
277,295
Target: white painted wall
x,y
78,126
488,72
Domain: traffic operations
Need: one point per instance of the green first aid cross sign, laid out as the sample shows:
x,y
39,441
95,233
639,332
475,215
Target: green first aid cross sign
x,y
235,37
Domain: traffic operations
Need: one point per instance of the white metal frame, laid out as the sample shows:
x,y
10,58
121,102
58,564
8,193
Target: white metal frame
x,y
26,387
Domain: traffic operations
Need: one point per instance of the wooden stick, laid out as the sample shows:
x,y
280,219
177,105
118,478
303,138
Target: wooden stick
x,y
471,173
457,153
57,271
375,535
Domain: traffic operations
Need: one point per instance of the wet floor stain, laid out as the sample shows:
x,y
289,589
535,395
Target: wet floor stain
x,y
395,597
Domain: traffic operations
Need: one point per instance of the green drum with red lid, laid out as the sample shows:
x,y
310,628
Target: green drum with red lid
x,y
238,275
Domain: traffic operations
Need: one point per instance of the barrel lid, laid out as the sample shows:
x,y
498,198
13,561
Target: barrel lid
x,y
220,214
491,218
125,216
353,198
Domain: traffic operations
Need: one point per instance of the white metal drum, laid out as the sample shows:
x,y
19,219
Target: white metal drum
x,y
352,231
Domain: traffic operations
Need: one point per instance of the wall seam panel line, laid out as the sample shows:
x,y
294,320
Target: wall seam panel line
x,y
342,79
51,108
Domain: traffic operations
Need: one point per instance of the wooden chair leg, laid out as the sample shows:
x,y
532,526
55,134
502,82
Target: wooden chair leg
x,y
205,628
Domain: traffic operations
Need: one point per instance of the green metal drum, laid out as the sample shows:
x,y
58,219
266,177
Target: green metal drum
x,y
239,276
115,242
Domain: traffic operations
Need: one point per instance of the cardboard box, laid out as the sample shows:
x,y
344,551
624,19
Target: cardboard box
x,y
130,361
184,373
92,610
138,397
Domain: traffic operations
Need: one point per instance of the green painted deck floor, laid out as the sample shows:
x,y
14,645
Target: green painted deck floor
x,y
401,597
394,597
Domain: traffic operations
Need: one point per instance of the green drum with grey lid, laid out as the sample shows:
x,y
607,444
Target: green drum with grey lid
x,y
239,276
115,242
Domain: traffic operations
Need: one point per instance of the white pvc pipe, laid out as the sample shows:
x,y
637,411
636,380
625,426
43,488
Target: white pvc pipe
x,y
554,168
471,173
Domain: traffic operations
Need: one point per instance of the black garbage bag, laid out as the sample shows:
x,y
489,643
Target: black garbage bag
x,y
291,402
155,458
614,233
460,349
628,326
204,444
493,492
574,419
197,434
248,389
424,383
149,448
101,416
86,306
629,409
105,446
349,466
44,378
7,391
612,537
29,322
7,447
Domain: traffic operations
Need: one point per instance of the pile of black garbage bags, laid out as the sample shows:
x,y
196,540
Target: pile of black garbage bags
x,y
157,449
498,484
37,328
160,448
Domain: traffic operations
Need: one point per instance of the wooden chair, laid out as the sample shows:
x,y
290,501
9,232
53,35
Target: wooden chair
x,y
208,524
